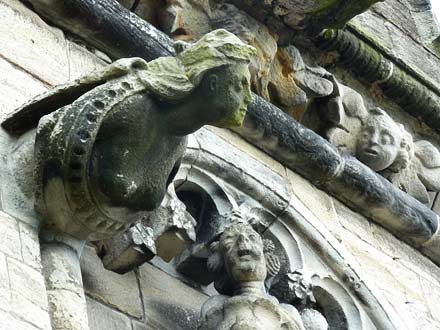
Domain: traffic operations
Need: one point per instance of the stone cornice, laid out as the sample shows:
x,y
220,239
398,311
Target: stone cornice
x,y
411,90
270,129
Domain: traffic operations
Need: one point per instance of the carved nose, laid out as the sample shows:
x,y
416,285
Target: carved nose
x,y
374,139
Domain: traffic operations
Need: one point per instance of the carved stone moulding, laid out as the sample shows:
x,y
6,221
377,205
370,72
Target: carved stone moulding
x,y
324,300
413,93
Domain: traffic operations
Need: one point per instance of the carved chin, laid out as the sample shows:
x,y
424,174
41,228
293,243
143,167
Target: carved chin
x,y
375,162
249,271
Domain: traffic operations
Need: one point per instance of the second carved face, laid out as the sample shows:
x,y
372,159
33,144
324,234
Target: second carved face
x,y
379,142
243,254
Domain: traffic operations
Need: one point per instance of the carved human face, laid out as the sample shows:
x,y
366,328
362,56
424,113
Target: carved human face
x,y
379,143
231,94
243,254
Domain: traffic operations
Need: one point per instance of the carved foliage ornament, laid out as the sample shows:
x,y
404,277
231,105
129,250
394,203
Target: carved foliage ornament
x,y
376,140
112,141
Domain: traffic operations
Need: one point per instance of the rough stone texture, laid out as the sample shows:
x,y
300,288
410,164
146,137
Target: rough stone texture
x,y
138,325
397,270
403,47
23,299
119,291
380,254
102,317
169,303
45,42
64,285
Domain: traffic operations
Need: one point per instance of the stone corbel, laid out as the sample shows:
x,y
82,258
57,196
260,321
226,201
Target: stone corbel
x,y
107,145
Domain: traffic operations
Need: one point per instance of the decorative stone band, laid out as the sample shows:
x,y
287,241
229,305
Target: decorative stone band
x,y
344,177
67,159
418,96
270,129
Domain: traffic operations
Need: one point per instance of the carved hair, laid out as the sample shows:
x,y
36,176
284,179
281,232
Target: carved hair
x,y
174,78
406,148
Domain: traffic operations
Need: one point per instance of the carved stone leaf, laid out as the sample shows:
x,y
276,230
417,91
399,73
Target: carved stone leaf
x,y
408,181
427,153
426,164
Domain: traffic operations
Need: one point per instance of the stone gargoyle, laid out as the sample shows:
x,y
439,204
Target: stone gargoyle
x,y
108,144
375,139
239,255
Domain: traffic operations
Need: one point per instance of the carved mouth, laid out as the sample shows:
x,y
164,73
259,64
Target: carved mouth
x,y
371,152
244,252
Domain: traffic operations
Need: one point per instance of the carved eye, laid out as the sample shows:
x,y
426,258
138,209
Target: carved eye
x,y
386,139
253,237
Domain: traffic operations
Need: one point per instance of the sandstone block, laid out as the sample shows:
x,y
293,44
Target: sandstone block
x,y
119,291
102,317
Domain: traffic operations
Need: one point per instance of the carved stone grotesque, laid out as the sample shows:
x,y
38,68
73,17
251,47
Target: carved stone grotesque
x,y
296,288
376,140
111,142
239,253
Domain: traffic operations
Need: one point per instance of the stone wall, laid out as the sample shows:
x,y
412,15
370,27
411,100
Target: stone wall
x,y
34,57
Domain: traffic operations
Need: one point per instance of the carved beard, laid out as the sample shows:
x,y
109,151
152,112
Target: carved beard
x,y
253,269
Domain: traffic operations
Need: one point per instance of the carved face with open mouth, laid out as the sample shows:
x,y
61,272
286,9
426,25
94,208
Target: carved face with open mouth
x,y
379,143
243,253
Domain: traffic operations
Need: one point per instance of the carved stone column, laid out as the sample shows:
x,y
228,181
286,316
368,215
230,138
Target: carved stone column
x,y
60,256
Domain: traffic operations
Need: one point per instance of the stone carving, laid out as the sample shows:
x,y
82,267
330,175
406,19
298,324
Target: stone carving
x,y
296,288
376,140
239,255
112,141
166,232
278,74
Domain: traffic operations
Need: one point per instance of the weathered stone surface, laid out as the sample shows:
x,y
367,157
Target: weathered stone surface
x,y
30,246
28,283
401,46
169,303
409,89
5,286
129,249
27,310
34,41
102,317
90,177
64,285
138,325
7,321
10,243
242,263
17,89
119,291
312,16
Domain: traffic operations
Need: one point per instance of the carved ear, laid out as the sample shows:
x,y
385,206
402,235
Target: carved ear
x,y
213,82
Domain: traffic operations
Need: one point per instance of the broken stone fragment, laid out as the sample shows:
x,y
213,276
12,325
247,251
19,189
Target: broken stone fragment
x,y
165,232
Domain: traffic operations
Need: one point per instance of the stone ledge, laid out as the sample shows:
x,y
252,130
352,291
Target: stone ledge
x,y
412,91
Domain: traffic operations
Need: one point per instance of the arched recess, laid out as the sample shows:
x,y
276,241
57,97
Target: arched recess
x,y
336,304
246,179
